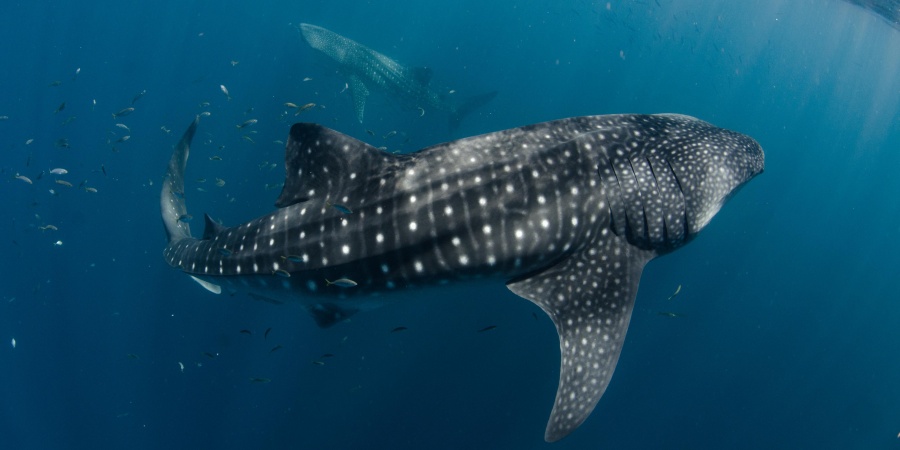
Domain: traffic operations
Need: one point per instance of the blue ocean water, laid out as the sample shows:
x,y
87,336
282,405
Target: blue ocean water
x,y
788,335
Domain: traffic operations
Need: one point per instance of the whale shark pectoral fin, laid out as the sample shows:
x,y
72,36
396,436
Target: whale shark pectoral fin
x,y
422,75
214,288
359,92
320,162
589,296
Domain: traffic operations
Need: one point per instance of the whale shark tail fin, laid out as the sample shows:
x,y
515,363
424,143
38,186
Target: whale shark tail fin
x,y
171,200
466,107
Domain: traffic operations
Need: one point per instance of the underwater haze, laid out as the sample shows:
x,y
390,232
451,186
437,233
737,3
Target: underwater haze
x,y
778,327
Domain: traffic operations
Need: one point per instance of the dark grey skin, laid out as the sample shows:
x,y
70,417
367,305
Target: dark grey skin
x,y
366,69
567,213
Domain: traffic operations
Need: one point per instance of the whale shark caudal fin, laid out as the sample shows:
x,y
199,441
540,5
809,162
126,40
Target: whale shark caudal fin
x,y
589,296
466,107
171,200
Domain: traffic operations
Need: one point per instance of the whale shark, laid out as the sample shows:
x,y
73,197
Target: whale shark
x,y
566,213
365,68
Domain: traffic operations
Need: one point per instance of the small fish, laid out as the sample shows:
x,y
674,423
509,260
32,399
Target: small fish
x,y
224,251
92,190
319,363
371,133
77,71
220,182
58,243
210,355
204,114
24,178
69,120
64,183
259,380
215,158
421,111
346,86
132,356
13,342
185,218
266,334
123,139
138,97
55,83
246,123
304,108
201,180
278,141
341,208
676,292
390,133
487,328
62,143
247,332
48,227
225,91
276,348
165,130
307,79
28,142
669,314
124,127
327,355
247,138
292,258
234,63
123,112
399,329
203,104
181,366
103,169
342,282
59,171
282,273
59,108
290,105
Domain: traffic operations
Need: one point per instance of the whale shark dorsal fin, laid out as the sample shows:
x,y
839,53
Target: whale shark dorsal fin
x,y
359,92
322,163
589,296
211,227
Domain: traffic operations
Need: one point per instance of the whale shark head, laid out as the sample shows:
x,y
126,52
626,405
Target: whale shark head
x,y
710,165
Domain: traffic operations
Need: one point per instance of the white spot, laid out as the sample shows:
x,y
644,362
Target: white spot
x,y
463,259
486,229
520,234
379,238
482,201
412,226
545,223
448,210
419,267
346,249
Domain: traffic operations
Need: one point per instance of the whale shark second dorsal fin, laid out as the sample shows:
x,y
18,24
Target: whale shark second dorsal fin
x,y
589,296
322,163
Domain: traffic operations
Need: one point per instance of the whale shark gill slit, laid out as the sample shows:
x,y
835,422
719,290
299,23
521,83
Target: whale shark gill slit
x,y
567,213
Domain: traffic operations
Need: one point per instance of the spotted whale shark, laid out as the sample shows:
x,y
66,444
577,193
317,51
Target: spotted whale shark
x,y
366,68
566,213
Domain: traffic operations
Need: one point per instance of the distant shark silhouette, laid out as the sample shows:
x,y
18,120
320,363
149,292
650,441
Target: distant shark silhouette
x,y
367,68
567,213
